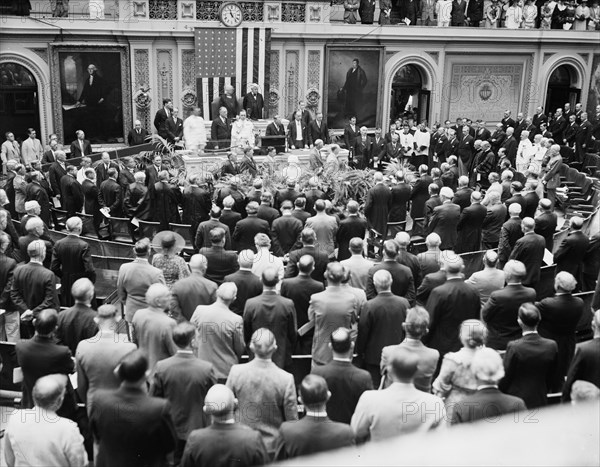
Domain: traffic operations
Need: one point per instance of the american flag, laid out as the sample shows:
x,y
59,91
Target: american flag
x,y
239,57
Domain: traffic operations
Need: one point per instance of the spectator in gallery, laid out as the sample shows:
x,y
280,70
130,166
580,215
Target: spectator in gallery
x,y
443,9
253,103
458,13
530,13
475,12
194,131
137,135
10,149
366,11
385,8
169,244
350,11
230,102
427,12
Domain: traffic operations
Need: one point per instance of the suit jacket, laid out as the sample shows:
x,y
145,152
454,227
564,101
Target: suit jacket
x,y
160,122
285,231
377,207
538,119
189,292
362,151
530,368
76,149
419,196
275,130
380,325
465,151
260,383
142,435
346,383
529,249
125,179
352,226
403,284
110,195
316,131
248,286
174,128
7,268
253,105
266,213
41,356
444,222
462,197
399,204
531,203
220,132
557,127
511,146
230,218
196,204
90,195
492,224
430,282
428,362
72,195
584,366
433,202
184,380
560,316
509,234
76,324
225,444
571,254
545,225
300,289
500,314
246,229
102,172
487,403
325,228
48,157
55,173
350,136
293,135
132,283
221,262
311,435
321,260
33,288
469,228
449,305
333,308
153,334
71,260
165,200
276,313
135,139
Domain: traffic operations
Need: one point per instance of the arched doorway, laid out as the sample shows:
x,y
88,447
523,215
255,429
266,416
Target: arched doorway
x,y
562,88
19,108
408,97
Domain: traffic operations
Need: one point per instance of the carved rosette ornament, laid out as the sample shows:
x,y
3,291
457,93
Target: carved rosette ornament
x,y
142,99
312,97
273,98
189,98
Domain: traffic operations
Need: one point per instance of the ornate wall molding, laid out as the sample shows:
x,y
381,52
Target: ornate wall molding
x,y
44,88
142,80
164,73
188,95
292,65
546,56
41,52
313,79
435,56
273,99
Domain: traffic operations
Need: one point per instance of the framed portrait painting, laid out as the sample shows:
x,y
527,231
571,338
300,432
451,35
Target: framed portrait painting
x,y
91,92
353,77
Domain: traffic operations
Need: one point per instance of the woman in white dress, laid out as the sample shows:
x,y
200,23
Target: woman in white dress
x,y
514,15
242,132
194,131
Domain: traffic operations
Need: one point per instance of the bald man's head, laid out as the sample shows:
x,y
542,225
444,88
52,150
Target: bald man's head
x,y
246,259
334,273
198,263
306,264
270,277
49,391
227,292
402,239
219,401
263,343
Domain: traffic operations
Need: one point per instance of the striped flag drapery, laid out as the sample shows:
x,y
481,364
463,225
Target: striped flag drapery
x,y
236,56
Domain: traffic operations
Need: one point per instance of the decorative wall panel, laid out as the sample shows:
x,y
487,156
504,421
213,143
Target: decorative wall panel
x,y
292,65
141,81
41,52
273,99
313,78
188,97
164,73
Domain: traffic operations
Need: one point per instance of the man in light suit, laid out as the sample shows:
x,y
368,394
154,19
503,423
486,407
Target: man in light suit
x,y
277,314
380,324
529,362
81,146
260,383
487,403
384,414
333,308
134,279
489,279
500,312
315,432
184,381
357,264
415,327
325,228
191,291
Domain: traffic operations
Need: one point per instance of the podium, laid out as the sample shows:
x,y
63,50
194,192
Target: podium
x,y
277,141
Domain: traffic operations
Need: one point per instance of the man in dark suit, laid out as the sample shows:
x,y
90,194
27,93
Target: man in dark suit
x,y
392,151
531,197
265,209
221,262
497,137
174,127
449,305
551,178
470,225
220,130
529,249
165,200
246,229
377,205
297,132
560,316
572,251
72,193
462,196
72,260
184,380
402,279
510,232
41,356
152,170
202,238
110,194
247,283
539,117
584,366
226,441
516,191
141,435
401,192
275,128
465,152
308,239
362,150
445,218
315,432
90,197
103,167
345,381
530,362
285,230
420,193
10,325
487,403
253,103
510,145
161,117
276,313
290,194
56,171
81,146
78,323
380,324
136,202
50,153
137,135
351,132
507,121
196,203
229,216
317,129
352,226
546,222
127,175
558,125
192,291
500,313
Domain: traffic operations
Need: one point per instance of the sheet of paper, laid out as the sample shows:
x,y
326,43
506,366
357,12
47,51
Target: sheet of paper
x,y
307,327
548,258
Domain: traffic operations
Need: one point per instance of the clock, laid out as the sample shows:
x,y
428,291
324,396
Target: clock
x,y
231,14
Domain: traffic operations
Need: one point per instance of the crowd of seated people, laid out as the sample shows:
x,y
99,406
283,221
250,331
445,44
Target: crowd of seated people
x,y
398,343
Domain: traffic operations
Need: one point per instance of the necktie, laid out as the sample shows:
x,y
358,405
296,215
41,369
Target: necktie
x,y
139,131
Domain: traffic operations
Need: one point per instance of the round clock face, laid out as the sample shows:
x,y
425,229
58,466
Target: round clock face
x,y
231,15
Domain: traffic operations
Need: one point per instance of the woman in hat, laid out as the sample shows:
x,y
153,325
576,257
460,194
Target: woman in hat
x,y
169,244
582,16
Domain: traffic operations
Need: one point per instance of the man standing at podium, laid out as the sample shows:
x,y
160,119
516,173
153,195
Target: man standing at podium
x,y
253,103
